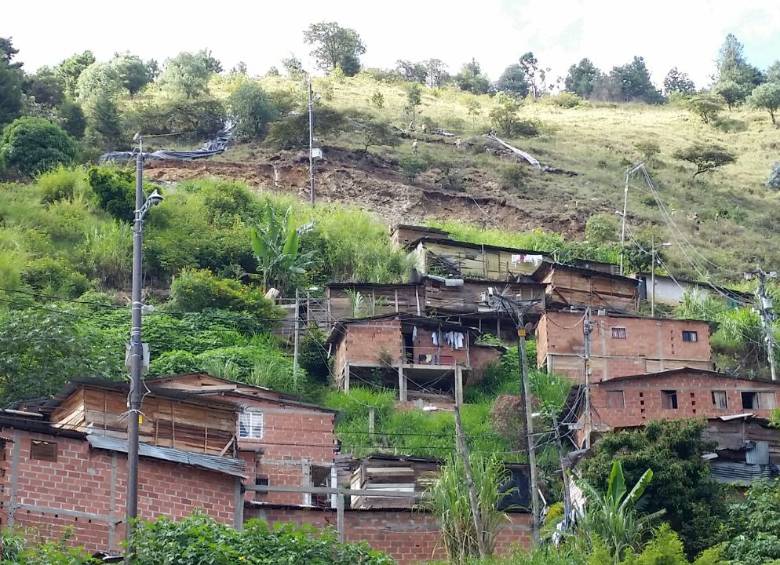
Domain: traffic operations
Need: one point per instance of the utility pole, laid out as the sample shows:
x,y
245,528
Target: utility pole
x,y
564,476
587,328
463,450
625,211
765,309
652,276
296,334
311,143
135,397
525,391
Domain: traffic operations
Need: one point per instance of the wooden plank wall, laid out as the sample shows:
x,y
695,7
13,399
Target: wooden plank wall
x,y
572,287
377,301
166,422
467,298
475,263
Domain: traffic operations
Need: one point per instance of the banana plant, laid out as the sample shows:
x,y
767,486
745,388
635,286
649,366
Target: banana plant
x,y
276,244
612,517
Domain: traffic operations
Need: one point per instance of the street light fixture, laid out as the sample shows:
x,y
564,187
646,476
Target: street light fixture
x,y
142,207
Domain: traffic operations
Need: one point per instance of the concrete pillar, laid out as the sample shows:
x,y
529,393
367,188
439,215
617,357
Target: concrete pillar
x,y
401,384
346,377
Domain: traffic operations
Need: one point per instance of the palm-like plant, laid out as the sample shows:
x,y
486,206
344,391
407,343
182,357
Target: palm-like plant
x,y
612,517
276,244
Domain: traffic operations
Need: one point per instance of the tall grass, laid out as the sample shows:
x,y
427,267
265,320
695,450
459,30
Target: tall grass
x,y
449,501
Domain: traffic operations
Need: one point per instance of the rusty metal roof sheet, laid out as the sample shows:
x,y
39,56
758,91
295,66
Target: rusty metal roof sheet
x,y
225,465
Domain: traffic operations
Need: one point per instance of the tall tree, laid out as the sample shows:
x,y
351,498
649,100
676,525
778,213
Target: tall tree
x,y
732,64
513,81
99,80
633,80
133,72
411,71
72,67
535,75
436,71
187,74
773,72
678,82
11,77
767,97
335,46
104,123
45,86
472,79
582,77
681,477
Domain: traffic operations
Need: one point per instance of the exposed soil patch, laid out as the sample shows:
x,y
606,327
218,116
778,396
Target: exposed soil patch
x,y
376,185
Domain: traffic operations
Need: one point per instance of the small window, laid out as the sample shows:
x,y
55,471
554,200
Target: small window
x,y
43,450
261,481
719,400
690,336
766,400
250,424
618,333
669,399
615,399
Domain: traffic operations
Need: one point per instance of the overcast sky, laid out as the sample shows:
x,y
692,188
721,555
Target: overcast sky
x,y
682,33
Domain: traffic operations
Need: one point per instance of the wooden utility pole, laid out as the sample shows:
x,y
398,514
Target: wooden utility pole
x,y
587,328
463,451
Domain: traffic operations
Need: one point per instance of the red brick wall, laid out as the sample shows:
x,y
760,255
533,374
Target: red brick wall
x,y
367,342
80,481
651,345
291,435
447,355
407,536
642,398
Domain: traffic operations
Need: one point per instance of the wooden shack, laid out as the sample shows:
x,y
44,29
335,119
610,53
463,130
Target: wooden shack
x,y
358,300
170,418
576,286
402,235
473,260
392,473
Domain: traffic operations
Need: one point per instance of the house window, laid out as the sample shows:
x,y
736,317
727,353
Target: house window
x,y
758,400
669,399
43,450
690,336
250,424
618,333
719,400
766,400
615,399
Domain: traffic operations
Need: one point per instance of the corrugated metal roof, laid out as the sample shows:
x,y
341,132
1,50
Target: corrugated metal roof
x,y
226,465
735,473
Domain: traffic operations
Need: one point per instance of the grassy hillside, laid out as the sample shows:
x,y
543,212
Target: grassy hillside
x,y
728,215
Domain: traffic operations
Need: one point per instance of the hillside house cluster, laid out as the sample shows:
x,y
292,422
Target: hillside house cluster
x,y
206,444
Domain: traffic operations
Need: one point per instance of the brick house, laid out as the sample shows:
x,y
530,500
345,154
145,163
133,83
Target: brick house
x,y
64,466
423,358
633,400
620,345
282,440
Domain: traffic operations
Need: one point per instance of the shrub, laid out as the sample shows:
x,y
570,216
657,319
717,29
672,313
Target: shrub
x,y
378,100
115,190
648,149
62,183
106,254
199,119
173,363
198,290
504,116
767,97
706,156
564,100
513,176
33,145
774,177
706,106
601,228
199,539
292,132
72,119
56,277
413,165
251,108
